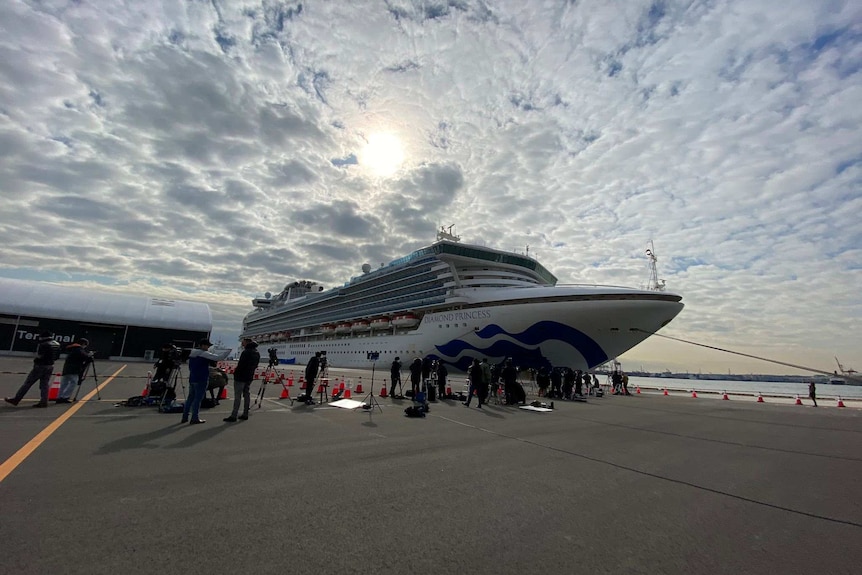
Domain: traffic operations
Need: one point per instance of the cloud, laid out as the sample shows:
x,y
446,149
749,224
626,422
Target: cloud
x,y
214,150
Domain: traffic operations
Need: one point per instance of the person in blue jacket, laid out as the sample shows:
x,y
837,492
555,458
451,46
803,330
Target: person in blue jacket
x,y
199,373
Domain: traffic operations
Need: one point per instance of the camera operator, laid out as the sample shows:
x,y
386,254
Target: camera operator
x,y
322,362
395,375
166,363
310,375
47,353
73,368
199,374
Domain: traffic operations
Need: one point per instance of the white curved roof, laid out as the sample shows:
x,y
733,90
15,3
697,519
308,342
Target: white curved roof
x,y
39,299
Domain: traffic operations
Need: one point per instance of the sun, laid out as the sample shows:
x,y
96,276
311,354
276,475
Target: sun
x,y
382,155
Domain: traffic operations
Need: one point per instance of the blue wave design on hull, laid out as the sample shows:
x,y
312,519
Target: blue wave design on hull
x,y
533,336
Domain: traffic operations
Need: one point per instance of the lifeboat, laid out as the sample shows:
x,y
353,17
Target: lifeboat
x,y
405,320
343,327
380,323
361,325
327,329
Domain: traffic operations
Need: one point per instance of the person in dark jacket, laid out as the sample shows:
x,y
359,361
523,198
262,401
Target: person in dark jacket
x,y
199,375
426,368
543,380
47,352
556,382
510,380
77,359
416,375
310,375
442,374
477,384
395,375
243,375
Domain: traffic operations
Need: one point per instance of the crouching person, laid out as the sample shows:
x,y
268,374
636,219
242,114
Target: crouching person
x,y
243,375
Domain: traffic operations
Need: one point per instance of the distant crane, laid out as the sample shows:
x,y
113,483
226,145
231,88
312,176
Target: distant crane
x,y
849,372
654,283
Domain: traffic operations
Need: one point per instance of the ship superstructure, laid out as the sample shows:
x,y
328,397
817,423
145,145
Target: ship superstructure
x,y
455,301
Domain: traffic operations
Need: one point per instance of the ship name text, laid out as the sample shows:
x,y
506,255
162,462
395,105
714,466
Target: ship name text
x,y
458,316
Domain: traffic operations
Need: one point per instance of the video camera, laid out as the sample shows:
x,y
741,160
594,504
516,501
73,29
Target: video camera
x,y
273,356
176,354
322,360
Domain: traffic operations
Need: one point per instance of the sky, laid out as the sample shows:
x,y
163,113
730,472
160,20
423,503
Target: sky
x,y
216,150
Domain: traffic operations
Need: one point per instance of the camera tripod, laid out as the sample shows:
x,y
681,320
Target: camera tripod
x,y
174,377
370,402
271,370
83,376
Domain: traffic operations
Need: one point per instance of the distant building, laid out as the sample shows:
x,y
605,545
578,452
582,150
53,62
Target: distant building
x,y
117,325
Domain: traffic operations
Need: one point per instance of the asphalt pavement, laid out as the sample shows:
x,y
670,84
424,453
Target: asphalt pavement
x,y
641,484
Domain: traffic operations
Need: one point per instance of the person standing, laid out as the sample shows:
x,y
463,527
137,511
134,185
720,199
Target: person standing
x,y
812,393
543,380
416,375
556,382
77,359
395,375
310,375
243,375
47,352
199,374
477,384
510,380
442,374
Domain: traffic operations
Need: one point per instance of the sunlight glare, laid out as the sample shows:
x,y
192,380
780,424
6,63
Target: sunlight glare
x,y
382,154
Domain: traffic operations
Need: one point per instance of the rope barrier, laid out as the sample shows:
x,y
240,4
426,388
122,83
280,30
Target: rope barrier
x,y
802,367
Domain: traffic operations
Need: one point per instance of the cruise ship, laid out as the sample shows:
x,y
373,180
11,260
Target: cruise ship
x,y
453,302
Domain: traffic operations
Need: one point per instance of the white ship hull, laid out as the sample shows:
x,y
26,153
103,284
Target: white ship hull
x,y
580,335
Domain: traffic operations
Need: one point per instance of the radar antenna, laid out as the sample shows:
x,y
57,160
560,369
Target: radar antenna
x,y
446,234
654,284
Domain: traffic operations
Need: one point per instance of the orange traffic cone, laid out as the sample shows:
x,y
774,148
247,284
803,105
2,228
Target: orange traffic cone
x,y
638,390
358,388
665,392
448,390
341,386
693,393
383,392
54,390
285,393
302,384
759,398
798,401
347,393
290,381
724,396
223,394
840,402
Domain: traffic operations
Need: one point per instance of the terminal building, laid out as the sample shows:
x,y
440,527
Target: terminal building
x,y
118,326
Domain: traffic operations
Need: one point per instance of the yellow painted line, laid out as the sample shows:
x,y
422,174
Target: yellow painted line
x,y
19,456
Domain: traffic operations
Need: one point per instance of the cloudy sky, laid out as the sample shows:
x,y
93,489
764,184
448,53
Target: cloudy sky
x,y
214,150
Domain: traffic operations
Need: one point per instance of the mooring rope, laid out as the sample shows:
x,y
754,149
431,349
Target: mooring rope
x,y
784,363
